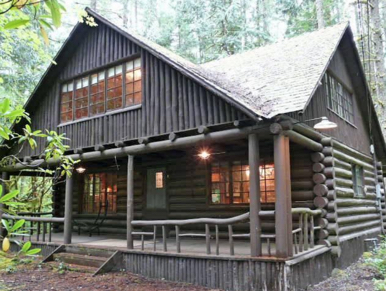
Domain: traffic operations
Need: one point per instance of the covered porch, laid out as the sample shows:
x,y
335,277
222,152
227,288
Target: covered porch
x,y
288,226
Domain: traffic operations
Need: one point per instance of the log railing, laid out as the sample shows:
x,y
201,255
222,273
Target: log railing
x,y
36,224
303,234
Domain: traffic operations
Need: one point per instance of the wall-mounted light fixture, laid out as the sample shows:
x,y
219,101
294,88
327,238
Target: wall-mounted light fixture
x,y
80,169
324,124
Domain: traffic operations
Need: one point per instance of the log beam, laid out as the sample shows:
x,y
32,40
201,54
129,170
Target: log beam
x,y
283,215
68,209
130,201
254,195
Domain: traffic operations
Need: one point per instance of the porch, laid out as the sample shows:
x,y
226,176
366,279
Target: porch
x,y
291,228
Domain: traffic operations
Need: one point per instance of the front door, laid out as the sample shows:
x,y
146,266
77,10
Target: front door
x,y
156,200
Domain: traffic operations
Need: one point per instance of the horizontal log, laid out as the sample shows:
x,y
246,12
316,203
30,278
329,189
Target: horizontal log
x,y
119,143
357,218
354,202
333,228
220,136
203,129
322,222
317,157
328,161
297,173
326,141
303,141
350,151
322,233
335,240
327,151
301,185
356,210
218,221
320,190
302,195
358,227
34,219
350,159
319,178
308,131
320,202
318,167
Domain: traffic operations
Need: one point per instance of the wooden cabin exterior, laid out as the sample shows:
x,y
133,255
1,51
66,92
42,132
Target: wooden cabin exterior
x,y
139,119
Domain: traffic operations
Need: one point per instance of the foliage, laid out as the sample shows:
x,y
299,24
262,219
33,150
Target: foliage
x,y
377,260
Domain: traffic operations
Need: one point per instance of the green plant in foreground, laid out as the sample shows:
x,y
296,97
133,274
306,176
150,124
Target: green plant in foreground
x,y
377,260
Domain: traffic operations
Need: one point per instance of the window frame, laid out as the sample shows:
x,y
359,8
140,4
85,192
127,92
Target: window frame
x,y
242,161
354,168
82,209
344,107
104,69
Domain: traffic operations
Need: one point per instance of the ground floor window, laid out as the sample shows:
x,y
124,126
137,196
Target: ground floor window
x,y
358,180
230,182
100,190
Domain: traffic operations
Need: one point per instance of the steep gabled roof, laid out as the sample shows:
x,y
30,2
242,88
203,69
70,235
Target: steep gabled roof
x,y
281,77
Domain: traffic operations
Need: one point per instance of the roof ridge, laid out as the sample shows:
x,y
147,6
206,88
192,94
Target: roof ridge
x,y
267,46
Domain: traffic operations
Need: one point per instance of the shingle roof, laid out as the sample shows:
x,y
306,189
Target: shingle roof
x,y
281,77
266,81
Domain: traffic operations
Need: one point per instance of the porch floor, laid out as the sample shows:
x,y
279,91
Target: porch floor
x,y
188,245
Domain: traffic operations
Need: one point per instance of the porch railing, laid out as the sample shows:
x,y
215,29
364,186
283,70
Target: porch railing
x,y
36,224
303,232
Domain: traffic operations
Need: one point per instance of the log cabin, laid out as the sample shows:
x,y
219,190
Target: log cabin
x,y
258,171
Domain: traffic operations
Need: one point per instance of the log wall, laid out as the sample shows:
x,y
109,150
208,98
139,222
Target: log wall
x,y
188,190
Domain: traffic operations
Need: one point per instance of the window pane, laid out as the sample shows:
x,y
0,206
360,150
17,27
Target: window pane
x,y
66,102
133,82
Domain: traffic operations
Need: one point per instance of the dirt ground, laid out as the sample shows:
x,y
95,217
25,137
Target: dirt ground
x,y
357,277
53,277
49,277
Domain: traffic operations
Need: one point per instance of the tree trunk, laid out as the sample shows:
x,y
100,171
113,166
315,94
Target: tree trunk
x,y
125,13
319,13
379,62
93,5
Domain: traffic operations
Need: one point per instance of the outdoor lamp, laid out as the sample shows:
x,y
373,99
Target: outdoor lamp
x,y
324,124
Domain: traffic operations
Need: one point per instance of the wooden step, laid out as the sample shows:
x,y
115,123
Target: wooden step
x,y
96,252
80,259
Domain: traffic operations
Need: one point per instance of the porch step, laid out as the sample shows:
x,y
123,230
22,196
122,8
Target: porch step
x,y
80,259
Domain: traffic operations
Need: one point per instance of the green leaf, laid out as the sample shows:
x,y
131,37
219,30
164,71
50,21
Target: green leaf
x,y
26,246
33,252
3,134
5,106
6,224
17,225
9,196
56,15
45,23
16,23
44,35
1,190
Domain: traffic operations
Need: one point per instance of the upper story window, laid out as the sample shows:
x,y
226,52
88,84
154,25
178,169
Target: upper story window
x,y
340,100
66,102
230,182
107,90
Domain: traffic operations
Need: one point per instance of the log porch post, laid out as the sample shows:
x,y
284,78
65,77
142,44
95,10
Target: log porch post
x,y
254,196
130,200
283,215
68,209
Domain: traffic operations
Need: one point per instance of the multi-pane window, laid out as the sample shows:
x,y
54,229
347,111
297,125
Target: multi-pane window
x,y
66,102
230,182
114,88
81,98
97,100
100,190
133,82
107,90
358,180
339,99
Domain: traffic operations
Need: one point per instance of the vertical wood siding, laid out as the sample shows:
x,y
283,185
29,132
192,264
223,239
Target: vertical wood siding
x,y
356,136
170,101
